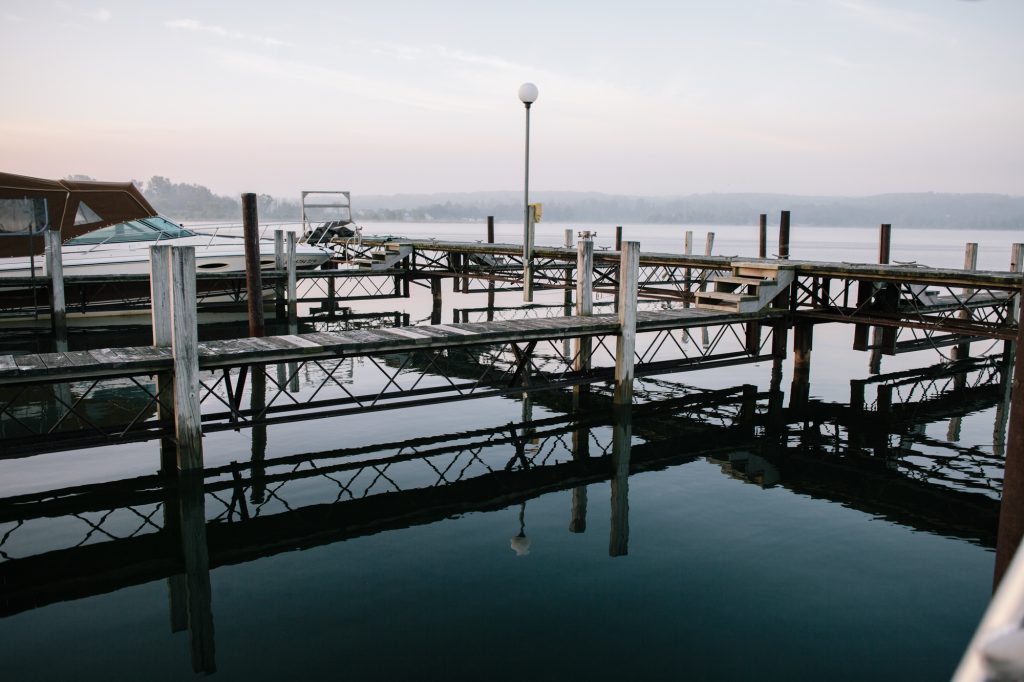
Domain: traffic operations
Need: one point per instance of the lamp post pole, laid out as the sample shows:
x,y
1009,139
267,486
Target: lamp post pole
x,y
527,95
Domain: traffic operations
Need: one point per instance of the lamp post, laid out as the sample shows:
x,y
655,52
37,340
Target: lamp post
x,y
527,95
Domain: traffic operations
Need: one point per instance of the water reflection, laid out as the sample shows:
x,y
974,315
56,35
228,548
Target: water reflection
x,y
873,453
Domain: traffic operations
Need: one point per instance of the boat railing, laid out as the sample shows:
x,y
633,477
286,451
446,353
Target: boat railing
x,y
996,651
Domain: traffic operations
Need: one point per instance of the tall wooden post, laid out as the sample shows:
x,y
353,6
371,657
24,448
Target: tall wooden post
x,y
687,273
709,245
279,266
1011,507
784,235
293,304
55,269
629,265
185,347
622,436
884,243
584,298
618,237
253,277
490,280
963,350
160,309
762,236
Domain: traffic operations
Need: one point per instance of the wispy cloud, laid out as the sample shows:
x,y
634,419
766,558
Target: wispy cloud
x,y
199,27
348,82
420,53
886,18
100,15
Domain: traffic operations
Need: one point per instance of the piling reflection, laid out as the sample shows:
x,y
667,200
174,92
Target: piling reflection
x,y
871,453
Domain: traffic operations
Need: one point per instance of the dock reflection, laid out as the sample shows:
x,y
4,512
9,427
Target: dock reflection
x,y
871,454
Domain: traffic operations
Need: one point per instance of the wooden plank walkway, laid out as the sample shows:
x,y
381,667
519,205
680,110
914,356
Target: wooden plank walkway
x,y
81,365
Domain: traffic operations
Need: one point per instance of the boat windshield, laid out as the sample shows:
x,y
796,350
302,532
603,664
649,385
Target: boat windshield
x,y
143,230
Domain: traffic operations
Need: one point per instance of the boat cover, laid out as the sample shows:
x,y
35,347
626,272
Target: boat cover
x,y
74,207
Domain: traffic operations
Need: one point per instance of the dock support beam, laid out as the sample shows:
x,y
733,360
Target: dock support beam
x,y
185,346
802,342
253,277
55,269
1011,507
435,293
629,265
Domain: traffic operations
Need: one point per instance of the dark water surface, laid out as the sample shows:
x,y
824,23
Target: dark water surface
x,y
743,545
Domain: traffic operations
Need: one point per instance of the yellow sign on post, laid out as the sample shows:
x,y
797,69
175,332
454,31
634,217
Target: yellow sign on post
x,y
536,212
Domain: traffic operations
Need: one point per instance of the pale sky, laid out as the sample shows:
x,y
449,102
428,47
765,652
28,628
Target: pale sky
x,y
843,97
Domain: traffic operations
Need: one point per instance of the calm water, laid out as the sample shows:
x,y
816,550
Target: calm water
x,y
500,548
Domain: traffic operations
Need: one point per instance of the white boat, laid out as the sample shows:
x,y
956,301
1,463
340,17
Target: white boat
x,y
123,249
107,229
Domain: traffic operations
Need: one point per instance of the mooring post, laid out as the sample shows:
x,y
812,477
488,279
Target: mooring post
x,y
762,236
618,237
784,235
709,245
185,348
687,272
1011,507
622,436
253,277
629,265
963,350
55,268
884,243
160,311
490,280
293,303
279,261
584,300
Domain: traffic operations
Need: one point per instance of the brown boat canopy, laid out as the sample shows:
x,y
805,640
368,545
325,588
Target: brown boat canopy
x,y
74,207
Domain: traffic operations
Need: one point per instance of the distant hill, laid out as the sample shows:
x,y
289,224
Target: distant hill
x,y
184,201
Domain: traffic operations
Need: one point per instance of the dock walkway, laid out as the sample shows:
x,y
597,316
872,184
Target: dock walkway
x,y
95,364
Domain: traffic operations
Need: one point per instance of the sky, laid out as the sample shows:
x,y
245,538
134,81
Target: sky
x,y
833,97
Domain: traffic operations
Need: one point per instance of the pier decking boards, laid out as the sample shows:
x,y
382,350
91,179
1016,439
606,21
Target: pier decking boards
x,y
78,365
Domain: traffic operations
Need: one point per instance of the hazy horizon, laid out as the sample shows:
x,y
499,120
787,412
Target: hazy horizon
x,y
846,98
